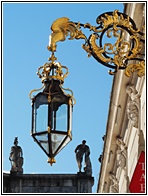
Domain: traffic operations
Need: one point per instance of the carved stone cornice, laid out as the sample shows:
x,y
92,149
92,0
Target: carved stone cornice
x,y
114,187
121,153
133,105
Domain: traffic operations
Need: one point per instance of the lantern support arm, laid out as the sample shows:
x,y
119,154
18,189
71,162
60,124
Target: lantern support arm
x,y
121,54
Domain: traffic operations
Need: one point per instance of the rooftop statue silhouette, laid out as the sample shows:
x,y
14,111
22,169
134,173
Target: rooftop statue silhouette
x,y
16,157
83,150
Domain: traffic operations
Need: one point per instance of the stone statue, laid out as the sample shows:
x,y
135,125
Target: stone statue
x,y
16,157
83,150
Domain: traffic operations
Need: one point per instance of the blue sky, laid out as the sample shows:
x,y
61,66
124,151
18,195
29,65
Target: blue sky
x,y
26,28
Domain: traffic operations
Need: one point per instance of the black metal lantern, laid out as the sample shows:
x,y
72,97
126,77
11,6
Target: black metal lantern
x,y
52,111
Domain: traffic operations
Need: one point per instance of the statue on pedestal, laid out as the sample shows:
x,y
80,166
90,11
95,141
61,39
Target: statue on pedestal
x,y
83,150
16,158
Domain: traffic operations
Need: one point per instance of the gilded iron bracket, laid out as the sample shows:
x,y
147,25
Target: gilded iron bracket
x,y
125,49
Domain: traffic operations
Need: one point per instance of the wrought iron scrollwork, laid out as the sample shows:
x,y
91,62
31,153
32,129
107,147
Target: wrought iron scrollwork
x,y
116,42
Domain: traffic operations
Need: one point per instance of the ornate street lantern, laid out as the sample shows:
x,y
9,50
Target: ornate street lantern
x,y
52,110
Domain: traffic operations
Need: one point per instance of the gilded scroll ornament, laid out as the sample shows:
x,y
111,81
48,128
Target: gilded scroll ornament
x,y
137,67
60,29
98,51
113,28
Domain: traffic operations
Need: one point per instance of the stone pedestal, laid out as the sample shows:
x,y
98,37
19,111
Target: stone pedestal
x,y
47,183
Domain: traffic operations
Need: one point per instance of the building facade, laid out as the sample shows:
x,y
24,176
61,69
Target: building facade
x,y
124,141
47,183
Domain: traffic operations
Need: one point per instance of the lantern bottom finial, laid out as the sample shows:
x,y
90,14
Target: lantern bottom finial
x,y
51,160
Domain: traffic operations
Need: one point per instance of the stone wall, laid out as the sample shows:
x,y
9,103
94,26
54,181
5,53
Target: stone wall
x,y
47,183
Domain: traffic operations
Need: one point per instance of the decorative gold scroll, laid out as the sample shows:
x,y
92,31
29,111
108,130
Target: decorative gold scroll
x,y
115,25
138,67
60,29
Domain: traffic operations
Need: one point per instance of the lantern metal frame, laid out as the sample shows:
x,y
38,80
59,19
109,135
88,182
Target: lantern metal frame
x,y
52,97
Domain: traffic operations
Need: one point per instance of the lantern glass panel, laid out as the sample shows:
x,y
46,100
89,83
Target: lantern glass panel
x,y
67,140
43,140
41,118
56,140
60,118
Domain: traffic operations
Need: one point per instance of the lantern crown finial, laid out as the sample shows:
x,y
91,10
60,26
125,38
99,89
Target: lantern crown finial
x,y
52,70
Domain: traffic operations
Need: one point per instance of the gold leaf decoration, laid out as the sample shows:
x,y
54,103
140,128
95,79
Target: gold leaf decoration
x,y
98,50
116,19
139,67
60,29
123,41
